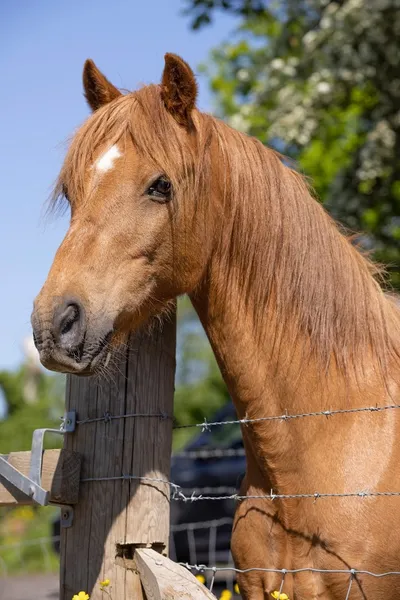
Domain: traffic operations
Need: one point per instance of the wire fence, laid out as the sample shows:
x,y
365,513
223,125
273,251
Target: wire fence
x,y
212,569
206,554
205,425
178,493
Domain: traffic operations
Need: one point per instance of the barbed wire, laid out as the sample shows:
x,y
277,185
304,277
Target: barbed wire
x,y
316,496
107,417
206,425
224,493
272,496
178,492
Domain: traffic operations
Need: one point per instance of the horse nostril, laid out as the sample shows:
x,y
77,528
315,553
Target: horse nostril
x,y
69,324
69,318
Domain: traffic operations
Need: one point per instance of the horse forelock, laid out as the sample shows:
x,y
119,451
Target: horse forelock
x,y
142,116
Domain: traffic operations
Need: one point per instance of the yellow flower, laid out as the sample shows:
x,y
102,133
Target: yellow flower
x,y
279,596
226,595
201,578
81,596
236,589
105,583
24,512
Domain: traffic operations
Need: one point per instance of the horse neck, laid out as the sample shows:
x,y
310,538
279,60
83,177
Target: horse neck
x,y
264,376
259,384
264,380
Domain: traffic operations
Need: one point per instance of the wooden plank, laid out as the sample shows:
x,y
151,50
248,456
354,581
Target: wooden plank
x,y
162,579
113,517
60,476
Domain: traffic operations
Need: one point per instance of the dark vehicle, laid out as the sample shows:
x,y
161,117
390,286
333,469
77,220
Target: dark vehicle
x,y
212,464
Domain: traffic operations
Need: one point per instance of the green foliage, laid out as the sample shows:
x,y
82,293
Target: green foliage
x,y
201,10
320,81
34,399
24,416
200,389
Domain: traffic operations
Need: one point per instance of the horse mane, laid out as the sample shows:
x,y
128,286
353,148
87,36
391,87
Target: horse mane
x,y
291,255
294,258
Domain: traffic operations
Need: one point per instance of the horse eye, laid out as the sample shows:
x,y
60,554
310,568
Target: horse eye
x,y
160,190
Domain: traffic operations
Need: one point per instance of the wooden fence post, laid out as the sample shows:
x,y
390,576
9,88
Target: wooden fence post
x,y
117,515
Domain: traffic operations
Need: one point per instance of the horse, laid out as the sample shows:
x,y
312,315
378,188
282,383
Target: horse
x,y
166,200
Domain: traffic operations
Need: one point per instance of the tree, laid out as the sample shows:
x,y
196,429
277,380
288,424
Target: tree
x,y
320,82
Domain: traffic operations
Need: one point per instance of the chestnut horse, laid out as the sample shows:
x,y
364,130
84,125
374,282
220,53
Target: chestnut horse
x,y
166,200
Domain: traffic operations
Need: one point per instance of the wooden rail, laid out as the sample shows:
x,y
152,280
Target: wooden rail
x,y
60,477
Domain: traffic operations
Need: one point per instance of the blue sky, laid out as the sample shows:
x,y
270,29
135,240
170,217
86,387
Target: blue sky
x,y
43,45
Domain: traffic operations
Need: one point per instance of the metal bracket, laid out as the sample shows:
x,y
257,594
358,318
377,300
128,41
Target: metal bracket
x,y
31,486
24,484
67,426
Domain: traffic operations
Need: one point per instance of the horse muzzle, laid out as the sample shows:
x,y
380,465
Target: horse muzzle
x,y
65,341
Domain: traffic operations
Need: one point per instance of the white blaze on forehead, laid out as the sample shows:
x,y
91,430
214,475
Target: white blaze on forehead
x,y
106,160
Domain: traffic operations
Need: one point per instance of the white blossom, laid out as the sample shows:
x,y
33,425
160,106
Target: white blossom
x,y
242,75
323,87
277,64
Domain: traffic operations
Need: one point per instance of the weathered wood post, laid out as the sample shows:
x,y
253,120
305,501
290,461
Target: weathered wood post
x,y
116,513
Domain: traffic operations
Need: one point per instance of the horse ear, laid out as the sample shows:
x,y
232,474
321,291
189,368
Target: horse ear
x,y
178,89
98,90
